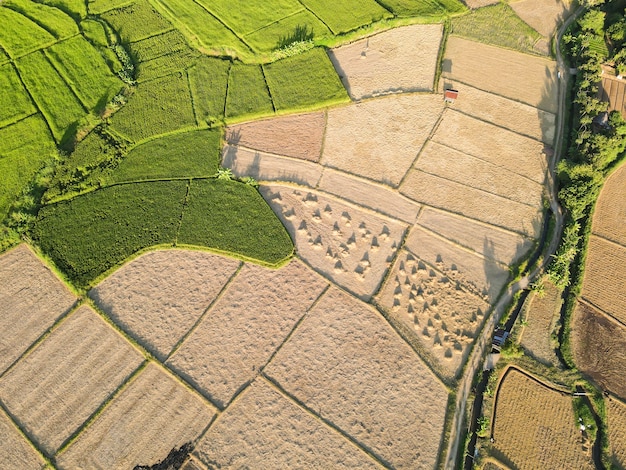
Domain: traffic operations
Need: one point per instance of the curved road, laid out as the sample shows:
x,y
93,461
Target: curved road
x,y
475,361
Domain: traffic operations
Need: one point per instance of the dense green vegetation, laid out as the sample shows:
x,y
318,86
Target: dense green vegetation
x,y
53,20
347,15
19,35
15,103
247,92
209,81
137,21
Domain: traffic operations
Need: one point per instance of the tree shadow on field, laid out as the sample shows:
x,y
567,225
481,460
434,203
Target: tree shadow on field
x,y
301,33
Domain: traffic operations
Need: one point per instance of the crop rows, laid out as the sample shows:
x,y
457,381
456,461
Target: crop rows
x,y
53,20
15,103
137,21
19,35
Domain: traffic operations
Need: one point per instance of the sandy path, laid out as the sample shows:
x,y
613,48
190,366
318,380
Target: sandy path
x,y
154,414
380,139
521,77
264,429
298,136
245,327
15,452
55,389
159,296
266,167
399,60
32,298
346,363
349,245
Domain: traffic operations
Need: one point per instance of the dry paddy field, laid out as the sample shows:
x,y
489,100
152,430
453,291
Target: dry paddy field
x,y
16,453
543,16
32,298
616,411
399,60
535,427
541,315
610,212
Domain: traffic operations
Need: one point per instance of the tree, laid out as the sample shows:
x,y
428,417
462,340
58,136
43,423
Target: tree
x,y
593,22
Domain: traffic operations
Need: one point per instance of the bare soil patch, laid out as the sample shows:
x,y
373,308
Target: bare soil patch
x,y
32,298
298,136
541,316
478,274
264,429
535,426
380,139
610,212
154,414
72,372
513,115
521,77
351,246
442,314
604,284
599,347
159,296
346,363
497,244
266,167
245,327
616,412
542,16
15,452
365,193
399,60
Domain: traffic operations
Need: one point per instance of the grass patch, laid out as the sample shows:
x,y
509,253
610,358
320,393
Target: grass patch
x,y
233,217
247,92
52,95
209,82
137,21
304,80
53,20
85,70
192,154
423,7
158,107
19,35
94,32
96,7
498,25
90,234
77,9
14,101
347,15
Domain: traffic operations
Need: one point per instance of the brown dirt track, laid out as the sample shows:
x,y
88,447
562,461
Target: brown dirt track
x,y
15,451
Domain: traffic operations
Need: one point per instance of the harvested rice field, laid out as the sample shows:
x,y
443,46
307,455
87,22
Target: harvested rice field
x,y
297,136
443,315
32,298
535,427
473,4
136,428
610,212
264,429
349,245
399,60
159,296
599,348
245,327
72,372
541,314
375,388
514,75
380,139
542,16
616,411
16,452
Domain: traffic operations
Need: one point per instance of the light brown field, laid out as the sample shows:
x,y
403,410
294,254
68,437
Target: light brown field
x,y
604,284
263,429
513,115
399,60
349,245
613,91
154,414
159,296
473,203
616,413
610,213
380,139
543,16
473,4
535,426
368,194
32,298
541,316
443,315
346,363
497,244
493,144
266,167
479,274
521,77
15,452
445,162
55,388
298,136
599,348
244,328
